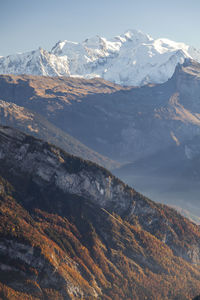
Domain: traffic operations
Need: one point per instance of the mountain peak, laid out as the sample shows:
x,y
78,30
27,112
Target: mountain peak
x,y
137,36
93,42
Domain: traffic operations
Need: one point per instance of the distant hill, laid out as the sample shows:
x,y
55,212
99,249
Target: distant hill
x,y
171,176
36,125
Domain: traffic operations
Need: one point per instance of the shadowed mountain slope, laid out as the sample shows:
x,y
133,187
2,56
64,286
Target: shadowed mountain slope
x,y
36,125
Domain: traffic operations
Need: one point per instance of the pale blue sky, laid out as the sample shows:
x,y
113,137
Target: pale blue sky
x,y
27,24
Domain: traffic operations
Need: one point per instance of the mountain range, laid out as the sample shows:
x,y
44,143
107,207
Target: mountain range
x,y
152,131
69,229
133,58
14,112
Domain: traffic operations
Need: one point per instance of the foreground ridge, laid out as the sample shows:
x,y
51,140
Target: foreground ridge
x,y
69,229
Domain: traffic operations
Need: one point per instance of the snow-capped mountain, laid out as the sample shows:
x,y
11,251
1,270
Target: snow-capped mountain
x,y
38,62
132,58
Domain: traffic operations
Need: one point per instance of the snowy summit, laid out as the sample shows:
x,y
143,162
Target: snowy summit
x,y
133,58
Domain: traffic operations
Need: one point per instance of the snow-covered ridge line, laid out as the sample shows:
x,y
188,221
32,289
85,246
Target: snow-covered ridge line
x,y
133,58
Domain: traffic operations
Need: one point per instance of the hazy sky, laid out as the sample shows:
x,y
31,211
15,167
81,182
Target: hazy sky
x,y
27,24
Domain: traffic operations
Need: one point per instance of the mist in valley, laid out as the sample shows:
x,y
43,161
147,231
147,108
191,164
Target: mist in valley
x,y
180,194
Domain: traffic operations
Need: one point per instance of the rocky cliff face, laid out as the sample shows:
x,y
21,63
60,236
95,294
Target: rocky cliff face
x,y
70,230
48,165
